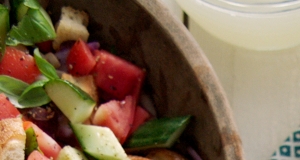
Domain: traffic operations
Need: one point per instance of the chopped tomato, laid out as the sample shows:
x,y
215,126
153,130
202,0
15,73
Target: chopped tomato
x,y
116,115
45,46
7,109
18,64
116,76
80,60
140,116
48,145
36,155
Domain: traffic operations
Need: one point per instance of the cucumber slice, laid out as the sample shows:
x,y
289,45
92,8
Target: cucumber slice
x,y
99,142
70,153
157,133
71,100
31,141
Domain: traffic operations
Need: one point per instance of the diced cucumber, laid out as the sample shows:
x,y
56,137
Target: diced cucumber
x,y
31,141
70,153
99,142
157,133
70,99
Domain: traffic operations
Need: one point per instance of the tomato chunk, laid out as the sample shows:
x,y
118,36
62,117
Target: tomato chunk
x,y
7,109
18,64
45,46
117,77
116,115
36,155
140,116
48,145
80,60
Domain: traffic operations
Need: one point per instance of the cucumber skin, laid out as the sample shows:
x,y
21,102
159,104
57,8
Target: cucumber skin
x,y
70,153
31,141
99,142
70,99
157,133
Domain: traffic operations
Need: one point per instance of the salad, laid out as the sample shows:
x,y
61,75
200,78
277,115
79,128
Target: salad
x,y
70,98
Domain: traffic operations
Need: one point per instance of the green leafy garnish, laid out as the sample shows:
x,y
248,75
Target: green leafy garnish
x,y
4,27
20,7
12,86
34,95
34,24
44,66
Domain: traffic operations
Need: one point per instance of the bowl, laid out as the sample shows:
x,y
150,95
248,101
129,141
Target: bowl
x,y
180,78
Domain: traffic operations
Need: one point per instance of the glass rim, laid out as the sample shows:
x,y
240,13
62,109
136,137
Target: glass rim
x,y
234,6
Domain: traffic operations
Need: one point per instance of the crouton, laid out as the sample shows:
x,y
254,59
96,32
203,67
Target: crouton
x,y
137,158
12,139
71,26
86,83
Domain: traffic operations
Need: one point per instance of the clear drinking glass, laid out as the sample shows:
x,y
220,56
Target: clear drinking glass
x,y
254,24
254,47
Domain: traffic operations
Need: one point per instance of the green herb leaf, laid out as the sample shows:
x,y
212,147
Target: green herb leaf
x,y
4,27
20,7
34,24
34,95
14,100
12,86
31,4
44,66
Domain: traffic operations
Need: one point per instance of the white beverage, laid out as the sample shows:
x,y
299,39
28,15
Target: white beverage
x,y
268,28
257,59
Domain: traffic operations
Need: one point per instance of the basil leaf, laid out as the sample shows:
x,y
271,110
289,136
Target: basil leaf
x,y
4,27
44,66
34,95
12,86
32,4
34,25
14,100
19,8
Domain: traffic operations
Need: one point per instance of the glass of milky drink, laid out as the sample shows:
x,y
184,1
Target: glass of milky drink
x,y
254,24
254,47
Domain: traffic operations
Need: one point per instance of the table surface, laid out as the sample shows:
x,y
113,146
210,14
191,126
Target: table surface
x,y
263,89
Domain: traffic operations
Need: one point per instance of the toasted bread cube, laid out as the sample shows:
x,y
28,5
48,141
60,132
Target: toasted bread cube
x,y
71,26
12,139
131,157
86,83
